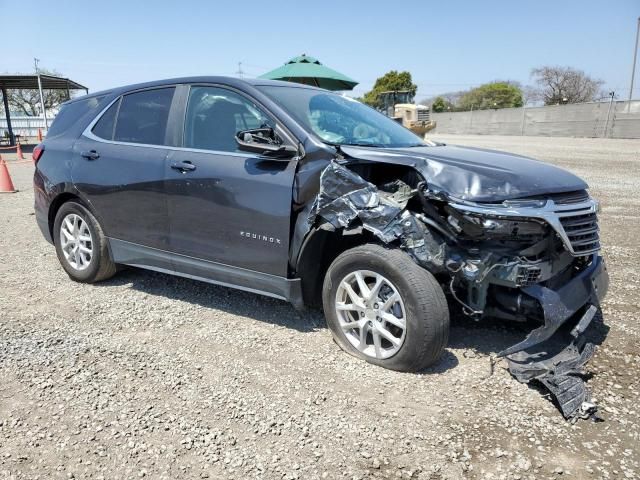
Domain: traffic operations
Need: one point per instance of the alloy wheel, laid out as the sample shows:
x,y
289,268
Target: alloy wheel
x,y
76,241
371,313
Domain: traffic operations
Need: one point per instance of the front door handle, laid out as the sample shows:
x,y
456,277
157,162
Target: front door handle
x,y
90,155
183,167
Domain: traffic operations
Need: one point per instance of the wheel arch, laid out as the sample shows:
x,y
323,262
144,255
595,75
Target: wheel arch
x,y
319,250
60,200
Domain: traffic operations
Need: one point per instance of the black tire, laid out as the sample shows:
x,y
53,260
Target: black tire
x,y
427,314
100,267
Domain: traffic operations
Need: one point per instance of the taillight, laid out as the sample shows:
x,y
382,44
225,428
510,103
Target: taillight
x,y
37,153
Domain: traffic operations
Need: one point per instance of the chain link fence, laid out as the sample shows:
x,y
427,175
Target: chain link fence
x,y
595,119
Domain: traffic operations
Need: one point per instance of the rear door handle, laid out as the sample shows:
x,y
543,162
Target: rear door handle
x,y
90,155
183,167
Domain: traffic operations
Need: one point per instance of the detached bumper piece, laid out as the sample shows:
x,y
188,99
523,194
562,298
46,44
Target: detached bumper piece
x,y
557,359
561,370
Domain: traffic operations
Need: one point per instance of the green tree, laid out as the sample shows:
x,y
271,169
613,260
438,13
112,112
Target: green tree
x,y
27,101
492,95
440,105
390,81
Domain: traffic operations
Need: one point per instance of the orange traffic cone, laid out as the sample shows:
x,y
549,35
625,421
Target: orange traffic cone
x,y
39,135
6,185
19,152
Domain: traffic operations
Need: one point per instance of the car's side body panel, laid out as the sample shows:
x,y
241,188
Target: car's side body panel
x,y
239,204
239,201
126,186
227,222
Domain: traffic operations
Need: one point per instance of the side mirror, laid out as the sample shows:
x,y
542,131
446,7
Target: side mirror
x,y
256,142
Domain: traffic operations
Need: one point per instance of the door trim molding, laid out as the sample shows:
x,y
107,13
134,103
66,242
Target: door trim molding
x,y
135,255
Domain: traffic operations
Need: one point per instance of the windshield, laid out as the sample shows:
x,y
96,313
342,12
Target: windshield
x,y
341,120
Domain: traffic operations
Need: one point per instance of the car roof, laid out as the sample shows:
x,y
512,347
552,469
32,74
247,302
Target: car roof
x,y
231,81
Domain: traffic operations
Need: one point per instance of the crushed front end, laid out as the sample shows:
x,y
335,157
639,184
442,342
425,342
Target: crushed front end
x,y
535,258
530,259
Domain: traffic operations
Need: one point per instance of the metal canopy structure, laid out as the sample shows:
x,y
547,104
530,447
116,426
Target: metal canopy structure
x,y
34,82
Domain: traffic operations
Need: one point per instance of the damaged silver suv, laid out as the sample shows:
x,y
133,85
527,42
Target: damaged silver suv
x,y
312,197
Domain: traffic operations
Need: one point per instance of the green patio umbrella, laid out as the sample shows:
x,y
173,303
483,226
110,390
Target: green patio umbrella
x,y
310,71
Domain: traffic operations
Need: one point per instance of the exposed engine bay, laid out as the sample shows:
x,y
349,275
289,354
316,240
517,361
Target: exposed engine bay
x,y
533,259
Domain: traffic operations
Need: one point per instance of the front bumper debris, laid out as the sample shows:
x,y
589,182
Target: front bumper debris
x,y
588,286
554,359
560,371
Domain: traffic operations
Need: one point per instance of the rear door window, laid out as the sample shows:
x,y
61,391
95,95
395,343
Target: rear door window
x,y
143,116
70,113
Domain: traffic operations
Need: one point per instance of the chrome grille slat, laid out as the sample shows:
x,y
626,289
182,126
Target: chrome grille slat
x,y
579,243
581,229
583,239
586,250
578,213
581,232
577,221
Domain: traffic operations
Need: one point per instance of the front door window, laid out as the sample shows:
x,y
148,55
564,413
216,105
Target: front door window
x,y
216,115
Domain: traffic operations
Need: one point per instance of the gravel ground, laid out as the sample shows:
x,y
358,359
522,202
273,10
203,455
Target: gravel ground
x,y
151,375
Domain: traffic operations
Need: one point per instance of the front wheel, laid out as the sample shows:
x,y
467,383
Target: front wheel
x,y
382,307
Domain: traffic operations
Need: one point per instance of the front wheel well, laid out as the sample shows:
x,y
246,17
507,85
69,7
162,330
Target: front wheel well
x,y
320,249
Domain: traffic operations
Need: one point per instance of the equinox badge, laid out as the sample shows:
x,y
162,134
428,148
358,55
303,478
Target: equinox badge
x,y
264,238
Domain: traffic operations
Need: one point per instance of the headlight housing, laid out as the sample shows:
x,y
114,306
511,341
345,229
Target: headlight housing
x,y
494,227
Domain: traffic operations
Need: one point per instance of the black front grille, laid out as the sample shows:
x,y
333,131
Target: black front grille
x,y
563,198
567,198
582,232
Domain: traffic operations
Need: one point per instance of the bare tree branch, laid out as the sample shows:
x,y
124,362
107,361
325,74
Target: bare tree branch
x,y
564,85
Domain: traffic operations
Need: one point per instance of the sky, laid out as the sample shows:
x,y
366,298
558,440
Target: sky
x,y
447,45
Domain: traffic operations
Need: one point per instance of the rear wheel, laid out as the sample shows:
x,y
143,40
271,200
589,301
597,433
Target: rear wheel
x,y
81,245
382,307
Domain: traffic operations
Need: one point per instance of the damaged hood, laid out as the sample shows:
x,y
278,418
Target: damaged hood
x,y
475,174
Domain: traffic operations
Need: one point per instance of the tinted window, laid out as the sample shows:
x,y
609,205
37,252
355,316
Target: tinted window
x,y
104,127
143,116
339,120
215,115
70,113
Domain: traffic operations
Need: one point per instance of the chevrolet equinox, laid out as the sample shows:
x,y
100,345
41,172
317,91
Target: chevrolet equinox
x,y
309,196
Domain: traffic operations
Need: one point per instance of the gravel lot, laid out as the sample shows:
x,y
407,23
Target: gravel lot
x,y
151,375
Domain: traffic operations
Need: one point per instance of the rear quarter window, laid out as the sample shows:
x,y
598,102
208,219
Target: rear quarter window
x,y
70,113
142,117
105,126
